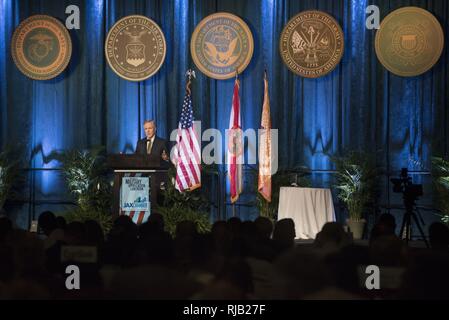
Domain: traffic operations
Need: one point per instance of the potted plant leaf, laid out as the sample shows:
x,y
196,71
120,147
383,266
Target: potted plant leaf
x,y
10,166
85,173
440,177
356,186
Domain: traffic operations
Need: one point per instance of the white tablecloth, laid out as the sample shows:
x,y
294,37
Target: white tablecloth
x,y
310,209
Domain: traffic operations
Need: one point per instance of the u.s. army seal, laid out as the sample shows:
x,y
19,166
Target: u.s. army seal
x,y
135,48
221,44
409,41
41,47
311,44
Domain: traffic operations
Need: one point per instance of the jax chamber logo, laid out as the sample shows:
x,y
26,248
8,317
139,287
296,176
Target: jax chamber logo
x,y
139,203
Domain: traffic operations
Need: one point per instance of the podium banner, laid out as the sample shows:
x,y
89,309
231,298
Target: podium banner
x,y
135,197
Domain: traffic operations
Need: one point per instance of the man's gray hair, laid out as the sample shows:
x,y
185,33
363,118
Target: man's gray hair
x,y
150,121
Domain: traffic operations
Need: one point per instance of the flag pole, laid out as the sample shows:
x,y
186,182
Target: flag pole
x,y
236,78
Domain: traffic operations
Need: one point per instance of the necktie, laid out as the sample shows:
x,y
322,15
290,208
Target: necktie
x,y
149,145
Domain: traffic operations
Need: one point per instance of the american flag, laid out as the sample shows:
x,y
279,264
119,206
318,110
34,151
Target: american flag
x,y
187,149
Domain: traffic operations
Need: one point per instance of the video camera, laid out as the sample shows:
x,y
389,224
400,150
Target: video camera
x,y
404,185
410,193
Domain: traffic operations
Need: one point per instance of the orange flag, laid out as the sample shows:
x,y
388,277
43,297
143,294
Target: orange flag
x,y
264,185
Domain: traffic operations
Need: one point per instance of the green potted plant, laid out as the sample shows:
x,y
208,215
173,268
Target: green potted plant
x,y
356,187
440,177
10,167
85,173
190,205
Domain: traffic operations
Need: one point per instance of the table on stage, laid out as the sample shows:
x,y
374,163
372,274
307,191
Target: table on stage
x,y
310,209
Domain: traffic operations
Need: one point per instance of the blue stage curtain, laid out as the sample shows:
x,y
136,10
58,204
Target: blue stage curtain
x,y
358,105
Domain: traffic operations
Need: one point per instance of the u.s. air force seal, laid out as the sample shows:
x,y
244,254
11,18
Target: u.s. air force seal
x,y
221,44
409,41
311,44
135,48
41,47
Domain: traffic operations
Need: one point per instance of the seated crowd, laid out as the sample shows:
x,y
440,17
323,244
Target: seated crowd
x,y
236,260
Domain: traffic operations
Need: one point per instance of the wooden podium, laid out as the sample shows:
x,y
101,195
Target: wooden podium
x,y
137,165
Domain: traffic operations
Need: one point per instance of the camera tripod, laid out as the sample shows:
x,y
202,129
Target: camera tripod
x,y
410,214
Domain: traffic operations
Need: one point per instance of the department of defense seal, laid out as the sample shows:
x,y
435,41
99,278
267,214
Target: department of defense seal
x,y
135,48
41,47
409,41
222,44
311,44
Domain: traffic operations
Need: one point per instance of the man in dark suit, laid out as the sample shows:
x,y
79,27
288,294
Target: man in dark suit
x,y
151,144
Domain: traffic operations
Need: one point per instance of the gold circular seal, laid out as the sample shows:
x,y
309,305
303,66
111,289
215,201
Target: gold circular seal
x,y
409,41
41,47
311,44
221,44
135,48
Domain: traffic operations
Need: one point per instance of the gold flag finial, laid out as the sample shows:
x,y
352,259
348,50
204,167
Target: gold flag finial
x,y
189,74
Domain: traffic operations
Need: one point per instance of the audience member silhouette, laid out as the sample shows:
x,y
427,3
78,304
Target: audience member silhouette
x,y
264,228
385,226
47,222
388,250
61,222
439,236
94,235
284,234
5,228
332,237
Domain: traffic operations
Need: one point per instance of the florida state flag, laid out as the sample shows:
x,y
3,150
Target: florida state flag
x,y
235,146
